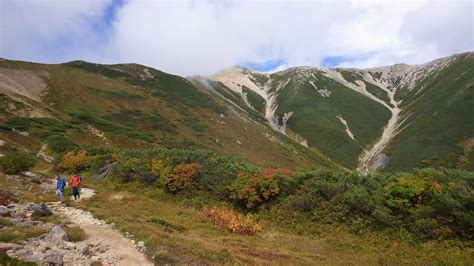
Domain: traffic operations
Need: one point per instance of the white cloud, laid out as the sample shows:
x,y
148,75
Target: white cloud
x,y
37,30
201,37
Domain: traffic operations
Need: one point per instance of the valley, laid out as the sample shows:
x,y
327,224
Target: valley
x,y
302,166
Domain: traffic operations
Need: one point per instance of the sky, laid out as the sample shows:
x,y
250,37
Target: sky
x,y
201,37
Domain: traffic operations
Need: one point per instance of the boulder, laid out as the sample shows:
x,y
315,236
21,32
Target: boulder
x,y
54,257
4,211
58,234
40,209
85,250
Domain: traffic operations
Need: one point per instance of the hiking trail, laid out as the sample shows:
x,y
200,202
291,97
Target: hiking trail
x,y
127,251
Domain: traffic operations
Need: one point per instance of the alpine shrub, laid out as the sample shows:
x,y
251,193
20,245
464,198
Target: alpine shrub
x,y
15,162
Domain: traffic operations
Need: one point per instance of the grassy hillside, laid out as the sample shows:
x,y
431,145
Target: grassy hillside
x,y
130,106
315,117
439,127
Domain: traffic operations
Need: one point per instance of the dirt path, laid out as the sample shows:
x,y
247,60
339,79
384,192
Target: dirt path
x,y
125,250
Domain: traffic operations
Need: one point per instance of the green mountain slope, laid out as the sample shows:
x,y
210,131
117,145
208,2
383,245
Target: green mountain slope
x,y
129,106
397,117
322,114
438,129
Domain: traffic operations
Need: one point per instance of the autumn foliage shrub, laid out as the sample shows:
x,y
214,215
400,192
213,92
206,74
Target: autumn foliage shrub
x,y
408,190
183,176
232,221
74,161
427,203
258,187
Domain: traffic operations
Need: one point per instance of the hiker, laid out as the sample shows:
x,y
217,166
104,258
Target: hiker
x,y
75,182
60,185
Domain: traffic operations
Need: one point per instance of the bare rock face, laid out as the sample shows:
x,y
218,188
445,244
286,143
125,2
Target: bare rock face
x,y
4,211
40,209
22,82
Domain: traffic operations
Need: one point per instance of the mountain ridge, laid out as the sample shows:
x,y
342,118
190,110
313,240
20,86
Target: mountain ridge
x,y
344,116
383,85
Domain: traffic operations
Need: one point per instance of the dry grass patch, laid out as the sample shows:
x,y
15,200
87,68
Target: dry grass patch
x,y
121,196
232,221
75,233
5,221
17,234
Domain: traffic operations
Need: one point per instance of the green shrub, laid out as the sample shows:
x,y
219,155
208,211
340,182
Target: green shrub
x,y
428,203
60,144
359,201
134,169
194,123
110,126
42,127
16,161
98,150
302,203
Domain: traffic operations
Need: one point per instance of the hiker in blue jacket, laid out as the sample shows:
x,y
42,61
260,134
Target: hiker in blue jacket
x,y
60,185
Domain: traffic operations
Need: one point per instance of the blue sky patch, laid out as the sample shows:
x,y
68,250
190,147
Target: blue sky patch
x,y
263,67
333,61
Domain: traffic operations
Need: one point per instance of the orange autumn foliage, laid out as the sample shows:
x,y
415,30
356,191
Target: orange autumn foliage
x,y
183,177
72,161
256,188
232,221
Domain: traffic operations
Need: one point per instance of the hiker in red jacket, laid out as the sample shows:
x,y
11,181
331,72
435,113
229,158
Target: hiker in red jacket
x,y
75,182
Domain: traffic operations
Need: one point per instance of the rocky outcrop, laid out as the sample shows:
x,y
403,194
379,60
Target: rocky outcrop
x,y
40,209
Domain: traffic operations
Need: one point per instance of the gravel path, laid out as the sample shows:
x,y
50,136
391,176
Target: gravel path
x,y
126,251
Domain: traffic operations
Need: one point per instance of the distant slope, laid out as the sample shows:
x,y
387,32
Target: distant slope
x,y
129,106
364,118
438,119
308,106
